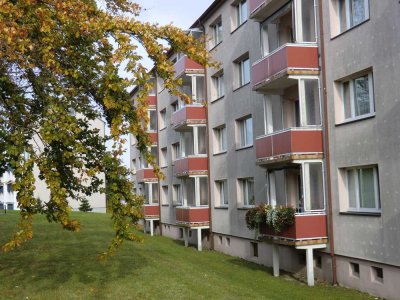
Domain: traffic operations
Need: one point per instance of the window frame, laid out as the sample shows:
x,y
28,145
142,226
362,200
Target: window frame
x,y
221,139
352,99
358,199
149,112
239,12
217,35
219,85
163,118
222,192
244,191
242,131
242,72
349,16
177,199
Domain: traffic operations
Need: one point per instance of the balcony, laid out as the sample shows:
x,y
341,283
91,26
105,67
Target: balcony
x,y
288,145
152,100
187,66
153,137
190,114
191,165
151,211
146,175
261,9
195,216
308,229
272,71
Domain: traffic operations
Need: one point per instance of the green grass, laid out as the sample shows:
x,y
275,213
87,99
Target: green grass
x,y
57,264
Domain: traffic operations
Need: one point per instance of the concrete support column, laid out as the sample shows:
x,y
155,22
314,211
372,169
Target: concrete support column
x,y
199,241
151,227
275,259
310,266
186,236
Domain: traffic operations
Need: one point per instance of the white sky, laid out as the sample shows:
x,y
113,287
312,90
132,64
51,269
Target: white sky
x,y
181,13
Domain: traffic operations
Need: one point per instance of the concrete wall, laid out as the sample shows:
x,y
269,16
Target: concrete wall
x,y
372,45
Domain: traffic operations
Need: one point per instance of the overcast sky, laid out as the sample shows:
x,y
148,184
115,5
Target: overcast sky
x,y
181,13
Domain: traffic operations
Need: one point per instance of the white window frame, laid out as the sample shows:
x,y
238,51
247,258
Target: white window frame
x,y
349,17
242,5
353,117
195,142
177,194
219,85
217,33
242,71
221,139
244,140
149,111
222,192
377,208
197,191
163,118
244,187
176,151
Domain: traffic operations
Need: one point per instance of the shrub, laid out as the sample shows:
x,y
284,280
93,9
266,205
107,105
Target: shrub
x,y
276,218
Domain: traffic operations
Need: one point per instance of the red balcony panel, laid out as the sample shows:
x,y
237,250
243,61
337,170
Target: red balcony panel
x,y
289,142
146,175
304,227
190,165
153,137
186,65
189,115
192,215
290,58
151,210
152,100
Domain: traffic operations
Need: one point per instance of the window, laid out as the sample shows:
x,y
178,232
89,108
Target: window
x,y
228,241
246,132
318,261
176,194
151,192
219,87
194,142
241,13
254,247
133,166
163,118
244,71
222,192
363,189
164,195
247,191
217,33
196,191
175,151
163,157
220,136
10,188
352,13
355,269
152,126
377,274
175,106
357,96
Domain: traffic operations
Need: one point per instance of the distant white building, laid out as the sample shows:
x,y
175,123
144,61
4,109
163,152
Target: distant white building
x,y
8,197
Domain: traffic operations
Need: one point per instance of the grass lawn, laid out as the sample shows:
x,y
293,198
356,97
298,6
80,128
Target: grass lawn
x,y
58,264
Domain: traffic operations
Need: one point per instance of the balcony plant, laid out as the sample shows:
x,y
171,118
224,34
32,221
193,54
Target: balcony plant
x,y
276,218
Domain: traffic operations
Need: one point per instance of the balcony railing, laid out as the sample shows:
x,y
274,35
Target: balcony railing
x,y
146,175
191,165
152,100
307,229
151,211
271,71
193,216
190,114
153,137
261,9
187,66
289,144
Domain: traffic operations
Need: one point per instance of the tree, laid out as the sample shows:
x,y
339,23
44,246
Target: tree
x,y
61,55
85,206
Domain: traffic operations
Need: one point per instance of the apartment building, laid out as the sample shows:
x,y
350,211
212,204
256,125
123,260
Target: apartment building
x,y
302,112
362,58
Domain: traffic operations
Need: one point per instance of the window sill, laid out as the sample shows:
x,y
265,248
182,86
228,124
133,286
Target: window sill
x,y
165,205
237,27
244,147
215,46
349,29
220,153
361,213
162,129
163,167
364,117
245,207
219,98
238,88
221,207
